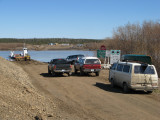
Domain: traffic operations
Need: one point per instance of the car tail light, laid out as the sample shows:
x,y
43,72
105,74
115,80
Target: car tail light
x,y
54,67
84,66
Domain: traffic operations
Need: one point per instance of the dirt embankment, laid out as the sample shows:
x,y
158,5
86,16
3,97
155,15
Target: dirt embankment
x,y
20,100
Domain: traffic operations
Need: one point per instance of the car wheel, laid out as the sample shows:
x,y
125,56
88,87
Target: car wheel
x,y
53,73
149,92
112,83
125,88
75,70
49,71
97,73
69,74
81,72
73,62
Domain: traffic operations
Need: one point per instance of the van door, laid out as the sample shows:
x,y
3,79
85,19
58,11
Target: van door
x,y
119,74
112,72
126,75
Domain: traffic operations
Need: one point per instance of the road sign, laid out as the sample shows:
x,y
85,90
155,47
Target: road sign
x,y
114,56
103,47
107,53
101,53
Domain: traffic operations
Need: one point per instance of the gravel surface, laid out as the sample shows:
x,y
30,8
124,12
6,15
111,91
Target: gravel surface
x,y
19,98
27,92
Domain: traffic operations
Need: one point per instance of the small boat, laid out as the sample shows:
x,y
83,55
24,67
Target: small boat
x,y
18,57
137,58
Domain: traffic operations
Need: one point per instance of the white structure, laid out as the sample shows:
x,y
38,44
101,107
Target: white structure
x,y
12,54
115,56
25,51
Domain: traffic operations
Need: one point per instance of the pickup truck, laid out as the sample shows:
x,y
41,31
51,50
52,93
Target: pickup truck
x,y
88,65
59,66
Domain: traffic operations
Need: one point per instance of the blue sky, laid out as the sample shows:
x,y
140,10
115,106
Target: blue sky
x,y
93,19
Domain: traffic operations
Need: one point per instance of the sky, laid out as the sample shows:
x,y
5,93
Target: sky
x,y
91,19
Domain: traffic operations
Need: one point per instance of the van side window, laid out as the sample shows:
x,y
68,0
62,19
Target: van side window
x,y
126,68
114,66
119,67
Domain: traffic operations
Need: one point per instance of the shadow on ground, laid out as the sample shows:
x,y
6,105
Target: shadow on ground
x,y
49,75
107,87
65,75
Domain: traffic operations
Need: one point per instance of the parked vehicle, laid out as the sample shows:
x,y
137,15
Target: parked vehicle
x,y
59,66
88,65
132,75
73,58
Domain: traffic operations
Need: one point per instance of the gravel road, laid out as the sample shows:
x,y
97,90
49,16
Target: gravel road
x,y
92,98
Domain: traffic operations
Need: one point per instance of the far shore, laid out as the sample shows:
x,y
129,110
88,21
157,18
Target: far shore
x,y
43,47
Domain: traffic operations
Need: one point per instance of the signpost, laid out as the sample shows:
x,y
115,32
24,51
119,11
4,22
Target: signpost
x,y
114,56
111,55
101,53
103,47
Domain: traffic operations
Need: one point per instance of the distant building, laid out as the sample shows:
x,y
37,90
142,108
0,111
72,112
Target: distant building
x,y
65,44
51,44
79,45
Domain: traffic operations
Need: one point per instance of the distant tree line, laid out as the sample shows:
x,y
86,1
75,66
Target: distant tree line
x,y
39,41
138,39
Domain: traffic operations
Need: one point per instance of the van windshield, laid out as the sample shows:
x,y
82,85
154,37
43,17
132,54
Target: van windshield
x,y
144,70
92,61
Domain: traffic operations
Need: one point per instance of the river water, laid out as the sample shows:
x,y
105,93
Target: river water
x,y
46,56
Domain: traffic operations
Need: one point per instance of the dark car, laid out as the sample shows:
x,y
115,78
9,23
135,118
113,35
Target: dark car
x,y
73,58
59,66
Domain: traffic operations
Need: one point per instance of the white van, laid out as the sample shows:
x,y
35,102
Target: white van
x,y
134,76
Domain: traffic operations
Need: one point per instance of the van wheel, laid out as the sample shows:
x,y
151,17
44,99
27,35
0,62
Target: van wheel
x,y
149,92
97,73
112,83
125,88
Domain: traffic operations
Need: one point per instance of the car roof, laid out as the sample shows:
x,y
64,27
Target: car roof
x,y
89,58
77,55
130,63
59,59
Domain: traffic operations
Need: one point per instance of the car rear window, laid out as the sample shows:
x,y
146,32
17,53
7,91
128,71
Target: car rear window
x,y
144,70
80,56
92,61
59,61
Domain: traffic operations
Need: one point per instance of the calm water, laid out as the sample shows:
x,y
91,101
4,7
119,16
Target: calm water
x,y
46,56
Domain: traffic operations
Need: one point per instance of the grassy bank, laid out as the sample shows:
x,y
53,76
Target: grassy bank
x,y
39,41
